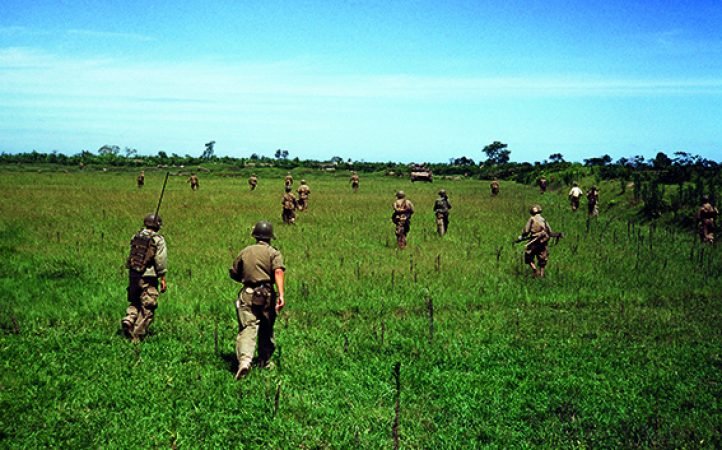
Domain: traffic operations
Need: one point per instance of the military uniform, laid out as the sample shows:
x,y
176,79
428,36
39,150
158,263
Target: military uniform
x,y
592,201
539,232
141,180
494,187
542,185
441,210
355,182
303,192
147,266
195,183
257,268
252,182
574,194
706,216
288,181
289,207
401,217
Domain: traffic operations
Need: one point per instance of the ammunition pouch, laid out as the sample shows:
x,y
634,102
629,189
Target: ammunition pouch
x,y
142,251
261,295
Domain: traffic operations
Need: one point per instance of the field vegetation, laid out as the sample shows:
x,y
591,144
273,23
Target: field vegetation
x,y
447,344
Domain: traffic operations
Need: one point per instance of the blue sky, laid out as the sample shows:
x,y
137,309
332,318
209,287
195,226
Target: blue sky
x,y
375,81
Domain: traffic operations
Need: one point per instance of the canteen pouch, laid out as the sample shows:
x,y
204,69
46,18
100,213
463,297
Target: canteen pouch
x,y
262,295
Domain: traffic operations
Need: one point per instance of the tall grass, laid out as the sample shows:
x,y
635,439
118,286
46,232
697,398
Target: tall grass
x,y
619,346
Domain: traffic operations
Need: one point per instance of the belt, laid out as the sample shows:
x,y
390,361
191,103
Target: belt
x,y
257,284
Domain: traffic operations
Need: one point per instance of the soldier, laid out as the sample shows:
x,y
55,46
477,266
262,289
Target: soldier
x,y
538,232
403,210
706,216
354,181
441,210
288,181
253,181
592,200
147,266
574,194
494,187
258,267
303,192
193,180
542,184
141,179
289,207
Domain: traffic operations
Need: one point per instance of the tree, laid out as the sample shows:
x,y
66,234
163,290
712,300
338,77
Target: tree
x,y
601,161
661,161
208,152
109,150
130,152
496,153
555,158
281,154
463,161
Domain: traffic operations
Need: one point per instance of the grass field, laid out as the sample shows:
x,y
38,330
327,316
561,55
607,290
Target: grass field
x,y
620,346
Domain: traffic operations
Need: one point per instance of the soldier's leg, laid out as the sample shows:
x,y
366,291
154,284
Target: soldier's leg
x,y
543,258
134,306
440,224
149,303
266,338
247,333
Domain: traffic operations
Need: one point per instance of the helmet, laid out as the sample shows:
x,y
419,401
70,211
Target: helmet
x,y
400,194
575,184
705,198
535,209
303,181
263,230
442,192
152,221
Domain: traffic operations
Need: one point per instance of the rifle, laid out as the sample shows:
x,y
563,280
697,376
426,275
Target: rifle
x,y
160,200
529,237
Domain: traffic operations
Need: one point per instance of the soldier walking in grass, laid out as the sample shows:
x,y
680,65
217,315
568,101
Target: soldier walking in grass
x,y
288,181
706,216
289,204
574,194
193,180
258,267
401,217
537,233
441,210
592,201
141,179
253,181
354,181
147,266
542,184
303,193
494,187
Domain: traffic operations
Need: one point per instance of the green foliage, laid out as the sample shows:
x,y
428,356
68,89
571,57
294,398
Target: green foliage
x,y
618,347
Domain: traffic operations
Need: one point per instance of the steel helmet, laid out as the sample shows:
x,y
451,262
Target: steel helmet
x,y
152,222
263,230
400,194
535,209
442,192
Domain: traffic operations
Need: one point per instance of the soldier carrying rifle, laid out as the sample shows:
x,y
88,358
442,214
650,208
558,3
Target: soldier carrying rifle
x,y
537,233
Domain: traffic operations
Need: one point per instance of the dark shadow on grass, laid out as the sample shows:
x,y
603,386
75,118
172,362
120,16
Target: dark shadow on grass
x,y
231,361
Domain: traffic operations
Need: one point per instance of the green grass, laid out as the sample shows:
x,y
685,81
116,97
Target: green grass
x,y
618,347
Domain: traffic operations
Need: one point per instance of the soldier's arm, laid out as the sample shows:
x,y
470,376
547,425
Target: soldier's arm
x,y
161,263
279,278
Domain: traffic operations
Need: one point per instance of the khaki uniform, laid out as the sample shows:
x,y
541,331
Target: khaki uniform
x,y
706,216
355,180
574,194
494,187
403,209
141,180
252,182
289,208
303,192
536,247
195,183
143,286
288,181
441,210
592,202
256,302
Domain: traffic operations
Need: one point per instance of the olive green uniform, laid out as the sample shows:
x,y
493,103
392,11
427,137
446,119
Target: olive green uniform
x,y
143,285
494,187
441,210
355,182
289,208
256,302
141,180
195,183
538,228
543,185
592,202
252,182
288,181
